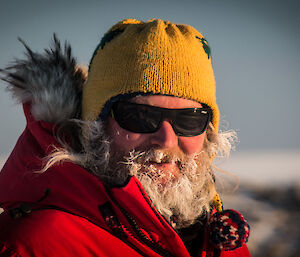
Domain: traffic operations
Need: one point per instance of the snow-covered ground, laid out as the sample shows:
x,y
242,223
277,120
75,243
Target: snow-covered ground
x,y
264,167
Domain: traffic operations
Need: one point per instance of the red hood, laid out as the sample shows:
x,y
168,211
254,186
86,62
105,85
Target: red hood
x,y
72,188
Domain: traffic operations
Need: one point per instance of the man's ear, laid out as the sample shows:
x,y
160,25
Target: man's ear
x,y
211,135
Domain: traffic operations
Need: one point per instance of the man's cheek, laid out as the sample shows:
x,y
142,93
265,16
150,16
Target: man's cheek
x,y
192,145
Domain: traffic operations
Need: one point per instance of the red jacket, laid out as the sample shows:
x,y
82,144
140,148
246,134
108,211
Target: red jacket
x,y
67,211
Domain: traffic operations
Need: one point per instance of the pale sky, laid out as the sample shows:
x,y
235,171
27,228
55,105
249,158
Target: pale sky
x,y
255,49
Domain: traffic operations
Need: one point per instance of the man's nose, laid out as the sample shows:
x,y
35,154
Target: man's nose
x,y
165,137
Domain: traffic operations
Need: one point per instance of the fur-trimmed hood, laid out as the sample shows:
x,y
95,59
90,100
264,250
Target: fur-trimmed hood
x,y
51,81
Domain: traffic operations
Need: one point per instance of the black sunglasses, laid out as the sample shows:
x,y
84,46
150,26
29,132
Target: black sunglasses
x,y
140,118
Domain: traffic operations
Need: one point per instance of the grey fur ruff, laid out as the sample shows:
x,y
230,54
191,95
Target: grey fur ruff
x,y
50,81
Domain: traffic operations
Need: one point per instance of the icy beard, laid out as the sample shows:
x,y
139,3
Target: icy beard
x,y
185,194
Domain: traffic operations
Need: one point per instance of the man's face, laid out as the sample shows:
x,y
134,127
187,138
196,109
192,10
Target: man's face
x,y
164,138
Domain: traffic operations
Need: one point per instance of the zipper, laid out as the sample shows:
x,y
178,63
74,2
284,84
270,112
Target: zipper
x,y
138,233
144,238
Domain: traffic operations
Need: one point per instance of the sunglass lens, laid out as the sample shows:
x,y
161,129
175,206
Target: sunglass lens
x,y
189,123
136,118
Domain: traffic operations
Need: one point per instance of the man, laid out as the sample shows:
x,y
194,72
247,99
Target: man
x,y
119,164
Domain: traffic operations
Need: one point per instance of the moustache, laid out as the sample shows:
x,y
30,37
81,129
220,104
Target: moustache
x,y
159,156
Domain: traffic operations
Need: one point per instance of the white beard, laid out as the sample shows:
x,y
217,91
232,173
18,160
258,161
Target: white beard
x,y
186,196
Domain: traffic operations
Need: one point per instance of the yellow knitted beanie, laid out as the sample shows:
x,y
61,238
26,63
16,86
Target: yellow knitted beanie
x,y
156,57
